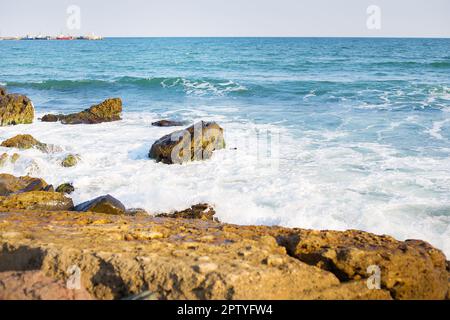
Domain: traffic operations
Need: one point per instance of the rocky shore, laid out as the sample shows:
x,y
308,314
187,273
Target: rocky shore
x,y
53,248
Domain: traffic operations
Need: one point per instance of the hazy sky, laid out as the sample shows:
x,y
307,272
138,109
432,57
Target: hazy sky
x,y
399,18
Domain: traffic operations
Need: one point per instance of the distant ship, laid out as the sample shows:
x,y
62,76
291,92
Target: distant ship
x,y
64,37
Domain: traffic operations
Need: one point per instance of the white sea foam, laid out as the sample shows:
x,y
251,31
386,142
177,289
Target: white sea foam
x,y
317,182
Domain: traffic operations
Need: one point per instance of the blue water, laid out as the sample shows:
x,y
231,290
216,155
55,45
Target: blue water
x,y
365,124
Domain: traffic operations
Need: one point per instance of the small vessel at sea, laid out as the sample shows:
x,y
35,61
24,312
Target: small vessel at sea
x,y
64,37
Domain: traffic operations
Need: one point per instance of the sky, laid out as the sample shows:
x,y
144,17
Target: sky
x,y
228,18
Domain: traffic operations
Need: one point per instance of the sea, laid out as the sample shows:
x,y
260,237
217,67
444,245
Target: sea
x,y
321,133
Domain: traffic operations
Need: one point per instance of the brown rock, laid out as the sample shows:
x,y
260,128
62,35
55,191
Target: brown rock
x,y
35,285
67,188
2,91
409,270
36,200
104,204
194,143
168,123
10,184
201,211
25,141
15,109
107,111
122,256
52,118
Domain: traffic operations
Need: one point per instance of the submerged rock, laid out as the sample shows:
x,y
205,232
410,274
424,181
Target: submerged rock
x,y
107,111
15,109
104,204
67,188
10,184
169,123
200,211
26,141
196,142
70,161
36,200
5,157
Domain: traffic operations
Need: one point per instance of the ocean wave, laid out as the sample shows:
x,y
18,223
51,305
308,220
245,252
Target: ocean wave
x,y
435,64
189,86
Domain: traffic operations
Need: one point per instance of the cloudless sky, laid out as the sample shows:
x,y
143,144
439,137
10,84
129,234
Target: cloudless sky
x,y
399,18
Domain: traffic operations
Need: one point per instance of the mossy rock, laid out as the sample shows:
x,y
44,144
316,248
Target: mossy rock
x,y
67,188
25,141
70,161
15,109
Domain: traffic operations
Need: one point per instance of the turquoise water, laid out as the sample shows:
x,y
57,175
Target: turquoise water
x,y
363,126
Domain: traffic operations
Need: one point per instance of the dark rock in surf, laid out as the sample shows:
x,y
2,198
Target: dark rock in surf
x,y
104,204
169,123
196,142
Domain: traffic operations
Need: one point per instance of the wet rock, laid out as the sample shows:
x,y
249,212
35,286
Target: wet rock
x,y
2,91
107,111
26,141
196,142
10,184
200,211
35,285
104,204
36,200
169,123
15,109
52,118
67,188
70,161
5,158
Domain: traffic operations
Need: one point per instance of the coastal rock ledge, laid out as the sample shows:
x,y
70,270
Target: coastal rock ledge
x,y
119,256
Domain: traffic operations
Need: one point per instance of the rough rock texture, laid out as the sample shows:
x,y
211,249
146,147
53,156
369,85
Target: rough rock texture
x,y
70,161
26,141
201,211
10,184
194,143
2,91
34,285
120,256
67,188
103,204
107,111
169,123
36,200
412,269
15,109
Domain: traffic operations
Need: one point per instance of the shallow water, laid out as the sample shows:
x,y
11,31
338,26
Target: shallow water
x,y
358,130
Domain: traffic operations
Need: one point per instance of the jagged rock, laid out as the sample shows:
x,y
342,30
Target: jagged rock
x,y
15,109
196,142
201,211
67,188
121,256
10,184
169,123
35,285
36,200
2,91
104,204
26,141
411,269
70,161
107,111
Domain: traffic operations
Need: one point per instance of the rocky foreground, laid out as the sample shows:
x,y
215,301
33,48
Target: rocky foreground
x,y
184,258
